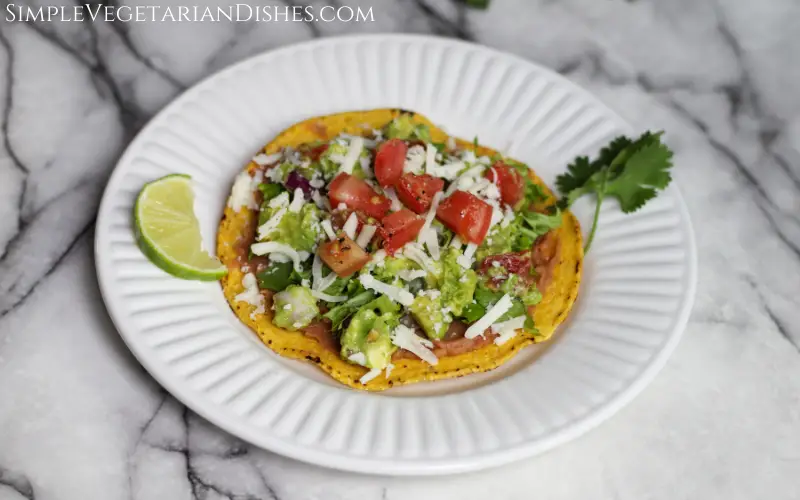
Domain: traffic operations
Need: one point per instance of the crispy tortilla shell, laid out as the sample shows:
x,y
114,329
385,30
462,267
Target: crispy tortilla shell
x,y
236,228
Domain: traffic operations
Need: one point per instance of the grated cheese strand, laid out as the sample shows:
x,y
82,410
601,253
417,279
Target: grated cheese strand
x,y
328,228
350,226
270,225
492,315
396,294
298,201
370,375
275,247
405,338
353,152
365,236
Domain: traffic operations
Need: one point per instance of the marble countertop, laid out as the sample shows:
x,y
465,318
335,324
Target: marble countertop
x,y
80,419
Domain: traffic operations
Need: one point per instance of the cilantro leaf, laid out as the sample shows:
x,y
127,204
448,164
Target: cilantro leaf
x,y
632,171
646,171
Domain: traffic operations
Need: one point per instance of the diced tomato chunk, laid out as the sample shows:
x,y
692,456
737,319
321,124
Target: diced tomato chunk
x,y
314,152
400,228
343,256
358,195
389,161
509,181
416,191
514,262
466,215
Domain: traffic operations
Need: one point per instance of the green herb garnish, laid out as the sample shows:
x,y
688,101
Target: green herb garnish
x,y
630,171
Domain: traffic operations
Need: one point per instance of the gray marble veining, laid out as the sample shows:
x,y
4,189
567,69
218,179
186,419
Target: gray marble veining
x,y
79,419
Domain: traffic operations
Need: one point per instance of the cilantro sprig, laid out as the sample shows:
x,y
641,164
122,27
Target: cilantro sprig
x,y
632,171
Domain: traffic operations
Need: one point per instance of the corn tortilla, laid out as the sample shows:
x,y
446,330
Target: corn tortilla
x,y
556,303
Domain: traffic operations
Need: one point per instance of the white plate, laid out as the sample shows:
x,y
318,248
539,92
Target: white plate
x,y
638,285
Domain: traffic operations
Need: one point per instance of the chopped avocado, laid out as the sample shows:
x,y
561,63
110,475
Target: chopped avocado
x,y
427,309
369,333
330,167
528,294
299,230
294,308
390,267
499,240
457,283
404,128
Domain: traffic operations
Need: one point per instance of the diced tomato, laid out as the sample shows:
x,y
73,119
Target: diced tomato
x,y
313,152
518,263
416,191
358,195
389,161
513,262
343,256
509,181
466,215
399,228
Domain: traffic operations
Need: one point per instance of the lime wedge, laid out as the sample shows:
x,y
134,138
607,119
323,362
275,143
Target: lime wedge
x,y
168,232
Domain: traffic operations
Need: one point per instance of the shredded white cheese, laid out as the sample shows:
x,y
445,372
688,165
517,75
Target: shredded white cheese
x,y
432,242
263,160
298,200
378,257
321,201
508,329
370,375
448,171
242,192
451,143
396,294
456,242
471,173
282,200
389,369
316,183
492,315
326,282
430,159
251,294
411,274
508,217
328,298
470,250
358,358
497,213
466,259
392,195
328,228
280,248
349,160
405,338
365,236
279,257
366,167
415,159
415,253
430,215
350,226
271,224
316,272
